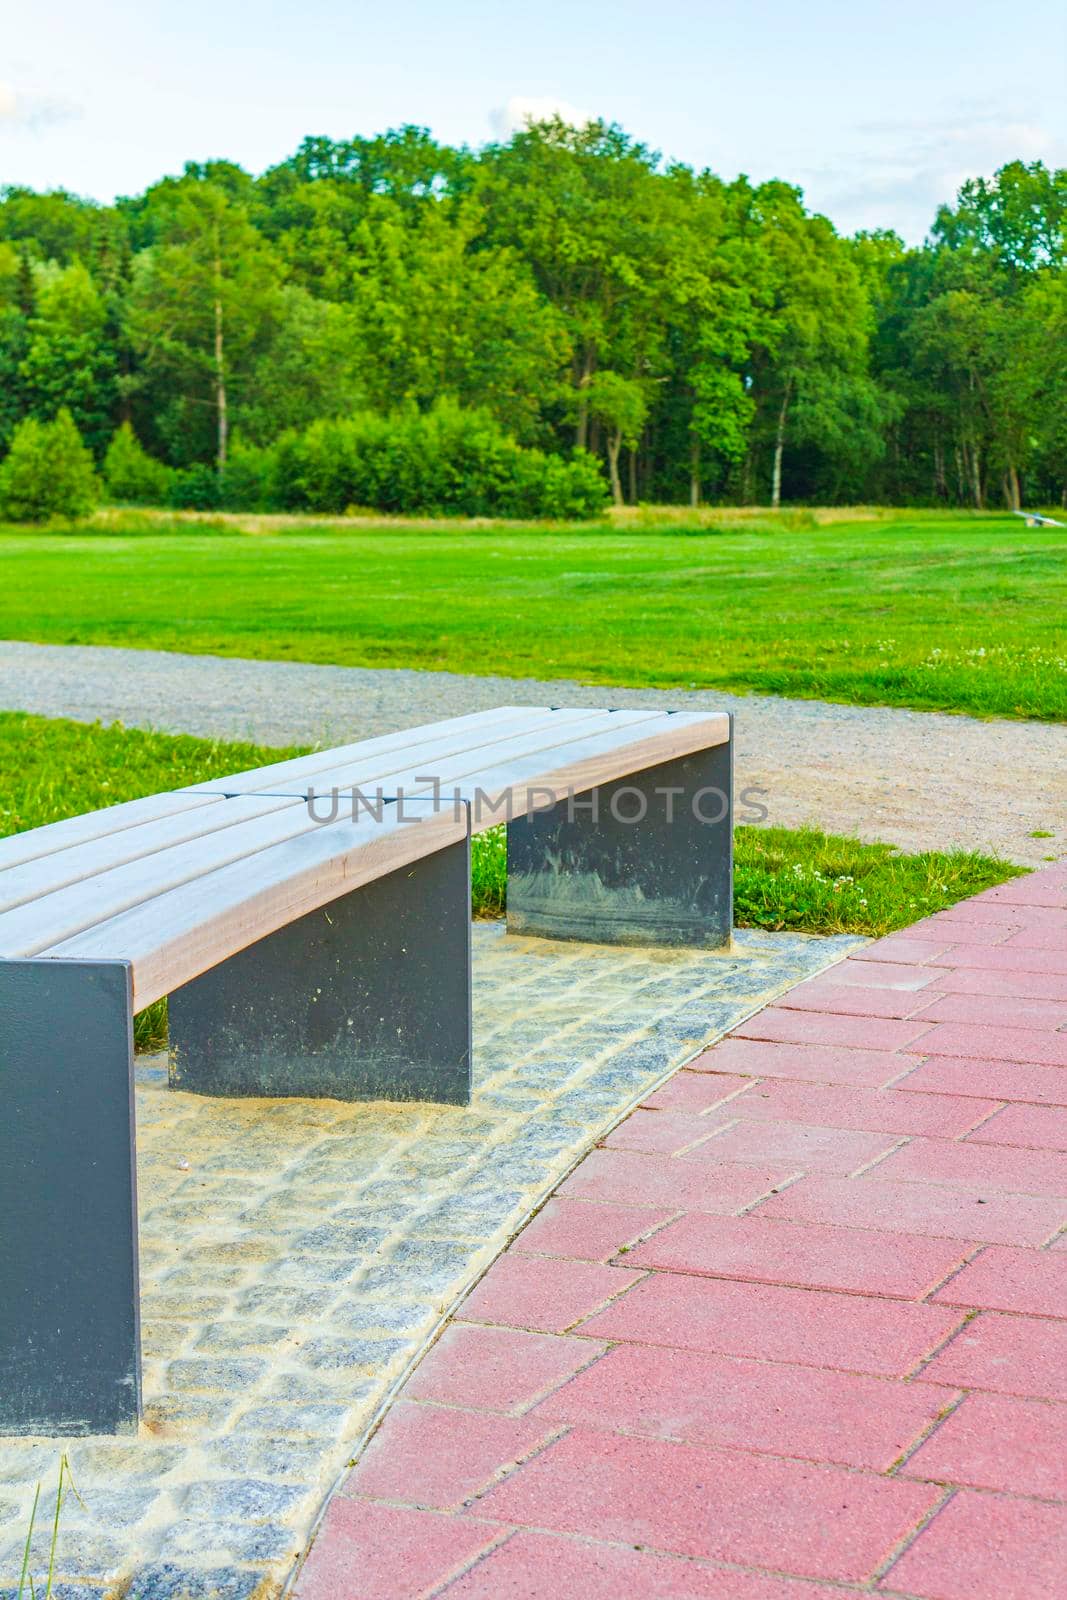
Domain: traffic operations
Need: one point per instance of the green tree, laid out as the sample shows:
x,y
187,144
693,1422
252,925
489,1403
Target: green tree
x,y
1046,371
440,314
720,290
204,302
70,359
1016,220
16,303
131,474
56,226
585,208
312,364
619,404
809,372
48,472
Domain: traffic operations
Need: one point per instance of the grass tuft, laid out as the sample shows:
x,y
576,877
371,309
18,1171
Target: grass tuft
x,y
804,881
808,881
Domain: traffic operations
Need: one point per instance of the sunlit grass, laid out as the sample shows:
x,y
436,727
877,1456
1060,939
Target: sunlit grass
x,y
957,612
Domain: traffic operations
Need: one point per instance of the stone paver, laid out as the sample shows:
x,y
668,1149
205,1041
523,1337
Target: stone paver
x,y
986,1547
832,1358
1032,1282
1007,1355
995,1441
761,1250
296,1255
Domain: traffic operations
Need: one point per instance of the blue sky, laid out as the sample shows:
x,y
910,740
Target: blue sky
x,y
878,111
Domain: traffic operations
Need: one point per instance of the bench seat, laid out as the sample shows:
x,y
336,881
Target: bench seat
x,y
310,922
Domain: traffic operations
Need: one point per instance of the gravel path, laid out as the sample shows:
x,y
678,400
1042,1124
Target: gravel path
x,y
920,779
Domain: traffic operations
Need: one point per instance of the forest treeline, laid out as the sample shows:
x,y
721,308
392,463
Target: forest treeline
x,y
561,293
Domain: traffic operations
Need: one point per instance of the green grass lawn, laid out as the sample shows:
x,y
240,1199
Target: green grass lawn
x,y
957,612
802,880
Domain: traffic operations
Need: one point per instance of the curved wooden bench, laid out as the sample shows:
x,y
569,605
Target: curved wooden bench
x,y
310,921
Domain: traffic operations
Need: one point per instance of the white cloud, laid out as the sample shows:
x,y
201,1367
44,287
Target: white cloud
x,y
26,111
896,174
518,112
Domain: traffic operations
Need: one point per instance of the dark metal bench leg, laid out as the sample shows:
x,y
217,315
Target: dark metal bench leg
x,y
69,1317
368,998
647,860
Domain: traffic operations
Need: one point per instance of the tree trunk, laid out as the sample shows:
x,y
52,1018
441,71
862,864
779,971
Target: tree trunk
x,y
1015,499
633,476
694,472
976,480
219,386
581,432
779,449
614,446
220,367
940,483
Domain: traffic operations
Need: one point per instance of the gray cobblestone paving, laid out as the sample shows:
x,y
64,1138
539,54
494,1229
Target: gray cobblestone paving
x,y
293,1271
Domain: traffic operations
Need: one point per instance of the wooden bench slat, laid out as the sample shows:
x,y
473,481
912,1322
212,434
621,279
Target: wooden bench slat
x,y
593,761
65,911
256,823
458,733
185,931
18,848
578,756
218,865
540,736
601,747
30,880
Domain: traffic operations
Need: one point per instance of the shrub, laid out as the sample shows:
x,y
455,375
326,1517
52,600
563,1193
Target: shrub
x,y
445,461
195,488
246,484
48,472
131,474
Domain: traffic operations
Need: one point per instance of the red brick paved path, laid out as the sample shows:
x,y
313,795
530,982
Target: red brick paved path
x,y
790,1334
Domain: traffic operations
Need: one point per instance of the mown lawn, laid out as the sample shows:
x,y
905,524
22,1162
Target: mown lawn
x,y
957,612
802,880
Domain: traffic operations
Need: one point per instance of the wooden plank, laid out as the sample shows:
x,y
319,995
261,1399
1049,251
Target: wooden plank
x,y
102,828
578,756
566,750
586,763
59,915
41,876
467,732
71,831
447,762
173,938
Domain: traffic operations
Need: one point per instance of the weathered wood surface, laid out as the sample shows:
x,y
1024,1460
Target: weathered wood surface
x,y
182,932
570,750
38,842
255,824
407,746
178,882
59,869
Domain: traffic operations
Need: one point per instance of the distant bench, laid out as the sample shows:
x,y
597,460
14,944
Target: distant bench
x,y
310,922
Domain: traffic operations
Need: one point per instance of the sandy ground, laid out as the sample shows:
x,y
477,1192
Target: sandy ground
x,y
919,779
